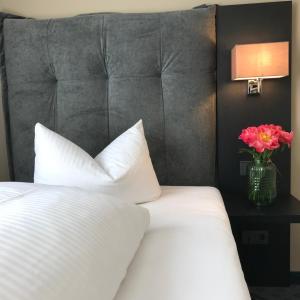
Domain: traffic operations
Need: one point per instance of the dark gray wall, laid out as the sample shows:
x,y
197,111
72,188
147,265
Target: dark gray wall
x,y
241,24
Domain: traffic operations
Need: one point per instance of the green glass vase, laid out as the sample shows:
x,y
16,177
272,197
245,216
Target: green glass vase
x,y
262,189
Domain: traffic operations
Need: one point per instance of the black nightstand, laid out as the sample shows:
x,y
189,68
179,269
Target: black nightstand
x,y
263,237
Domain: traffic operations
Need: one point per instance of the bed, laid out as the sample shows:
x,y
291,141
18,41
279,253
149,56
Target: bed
x,y
89,78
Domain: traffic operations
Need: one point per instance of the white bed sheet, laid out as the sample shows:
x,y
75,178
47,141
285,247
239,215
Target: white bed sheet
x,y
188,252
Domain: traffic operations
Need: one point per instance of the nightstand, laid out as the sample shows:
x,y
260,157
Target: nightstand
x,y
263,237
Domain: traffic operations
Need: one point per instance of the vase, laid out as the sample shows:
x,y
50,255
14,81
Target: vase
x,y
262,189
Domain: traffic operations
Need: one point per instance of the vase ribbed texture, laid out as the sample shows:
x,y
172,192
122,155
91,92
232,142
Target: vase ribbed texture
x,y
262,183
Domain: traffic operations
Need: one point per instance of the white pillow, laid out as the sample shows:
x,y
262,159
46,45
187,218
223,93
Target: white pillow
x,y
123,169
62,243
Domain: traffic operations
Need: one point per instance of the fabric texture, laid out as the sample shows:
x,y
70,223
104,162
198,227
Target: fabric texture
x,y
90,77
123,169
3,89
188,251
63,243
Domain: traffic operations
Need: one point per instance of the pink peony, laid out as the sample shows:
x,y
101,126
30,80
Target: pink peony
x,y
266,137
286,137
275,128
248,135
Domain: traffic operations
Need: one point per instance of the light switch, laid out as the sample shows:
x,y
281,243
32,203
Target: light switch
x,y
243,167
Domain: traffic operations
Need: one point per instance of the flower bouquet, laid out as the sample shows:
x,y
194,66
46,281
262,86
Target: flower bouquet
x,y
263,141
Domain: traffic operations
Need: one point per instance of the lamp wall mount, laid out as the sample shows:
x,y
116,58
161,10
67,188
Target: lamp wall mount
x,y
254,86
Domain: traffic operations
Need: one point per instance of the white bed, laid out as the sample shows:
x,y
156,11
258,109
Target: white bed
x,y
55,239
188,251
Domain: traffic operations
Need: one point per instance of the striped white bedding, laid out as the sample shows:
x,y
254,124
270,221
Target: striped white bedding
x,y
62,243
65,244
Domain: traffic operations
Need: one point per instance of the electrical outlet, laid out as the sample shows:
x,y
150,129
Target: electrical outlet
x,y
255,237
243,167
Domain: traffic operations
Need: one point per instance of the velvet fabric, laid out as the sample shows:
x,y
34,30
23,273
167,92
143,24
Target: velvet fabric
x,y
91,77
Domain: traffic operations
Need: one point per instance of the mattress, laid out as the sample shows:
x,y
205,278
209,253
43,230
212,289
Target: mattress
x,y
188,252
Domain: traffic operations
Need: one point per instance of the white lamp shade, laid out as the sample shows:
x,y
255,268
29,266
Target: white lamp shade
x,y
265,60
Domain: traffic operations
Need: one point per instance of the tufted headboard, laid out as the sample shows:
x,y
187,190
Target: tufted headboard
x,y
91,77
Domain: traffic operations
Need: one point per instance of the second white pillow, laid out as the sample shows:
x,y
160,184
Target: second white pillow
x,y
123,169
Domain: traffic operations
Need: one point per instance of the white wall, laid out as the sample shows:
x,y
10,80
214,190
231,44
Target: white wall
x,y
62,8
295,174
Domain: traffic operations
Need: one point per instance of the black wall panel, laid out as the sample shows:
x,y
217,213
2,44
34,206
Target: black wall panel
x,y
241,24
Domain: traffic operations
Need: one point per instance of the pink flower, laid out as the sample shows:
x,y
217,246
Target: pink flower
x,y
266,137
261,138
275,128
269,136
248,135
286,137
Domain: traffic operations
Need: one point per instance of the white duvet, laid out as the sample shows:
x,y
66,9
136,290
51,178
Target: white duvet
x,y
188,251
65,244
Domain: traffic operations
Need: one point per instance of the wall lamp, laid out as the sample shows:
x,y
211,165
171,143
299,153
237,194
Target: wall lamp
x,y
255,62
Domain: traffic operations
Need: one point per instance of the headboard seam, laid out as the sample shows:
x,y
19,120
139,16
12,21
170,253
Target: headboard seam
x,y
51,71
162,100
103,50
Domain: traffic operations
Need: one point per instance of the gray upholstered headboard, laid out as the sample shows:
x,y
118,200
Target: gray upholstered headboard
x,y
91,77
